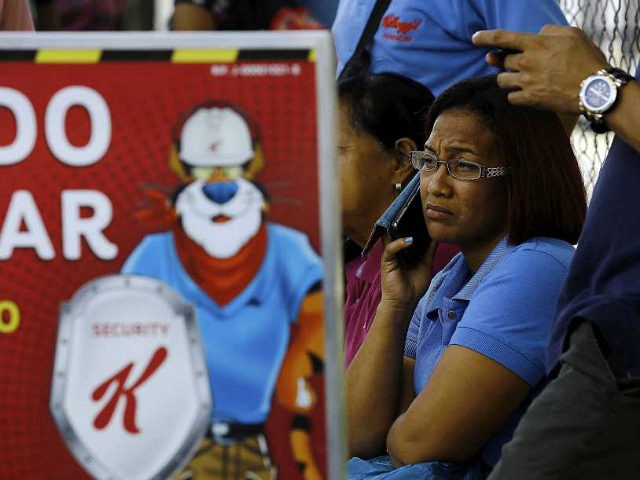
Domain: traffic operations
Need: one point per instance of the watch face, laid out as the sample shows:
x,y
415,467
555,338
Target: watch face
x,y
598,93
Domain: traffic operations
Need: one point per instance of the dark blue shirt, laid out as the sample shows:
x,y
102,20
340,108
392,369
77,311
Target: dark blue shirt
x,y
603,285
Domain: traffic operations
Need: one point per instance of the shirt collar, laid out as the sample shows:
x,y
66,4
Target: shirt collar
x,y
467,291
450,282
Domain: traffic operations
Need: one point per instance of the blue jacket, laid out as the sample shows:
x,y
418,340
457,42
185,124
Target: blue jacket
x,y
430,40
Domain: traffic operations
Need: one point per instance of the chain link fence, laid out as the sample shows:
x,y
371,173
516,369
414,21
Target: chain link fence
x,y
614,25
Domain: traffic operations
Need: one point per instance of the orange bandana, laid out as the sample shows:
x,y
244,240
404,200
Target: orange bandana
x,y
221,278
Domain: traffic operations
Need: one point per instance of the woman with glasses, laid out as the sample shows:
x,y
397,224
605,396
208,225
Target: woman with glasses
x,y
445,372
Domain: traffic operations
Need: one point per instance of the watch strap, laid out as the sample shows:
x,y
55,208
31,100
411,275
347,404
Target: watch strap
x,y
598,125
620,77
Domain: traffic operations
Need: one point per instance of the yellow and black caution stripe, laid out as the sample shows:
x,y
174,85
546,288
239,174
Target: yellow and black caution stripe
x,y
175,56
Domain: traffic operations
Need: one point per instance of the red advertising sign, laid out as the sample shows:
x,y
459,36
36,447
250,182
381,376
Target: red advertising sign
x,y
163,295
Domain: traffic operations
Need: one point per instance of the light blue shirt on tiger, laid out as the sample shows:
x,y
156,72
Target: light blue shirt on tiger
x,y
244,341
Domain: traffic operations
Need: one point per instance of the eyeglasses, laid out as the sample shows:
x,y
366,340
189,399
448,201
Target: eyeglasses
x,y
458,168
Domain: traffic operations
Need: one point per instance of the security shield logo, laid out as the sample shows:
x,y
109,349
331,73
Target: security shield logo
x,y
130,393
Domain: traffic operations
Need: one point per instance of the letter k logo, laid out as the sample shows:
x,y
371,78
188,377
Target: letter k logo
x,y
119,378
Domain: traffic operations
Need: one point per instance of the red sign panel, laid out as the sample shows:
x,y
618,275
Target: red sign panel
x,y
201,174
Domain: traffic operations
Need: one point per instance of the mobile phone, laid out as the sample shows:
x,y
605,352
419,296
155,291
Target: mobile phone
x,y
409,222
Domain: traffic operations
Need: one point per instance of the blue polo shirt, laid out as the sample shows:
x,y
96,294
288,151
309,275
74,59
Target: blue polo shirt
x,y
430,41
504,311
603,285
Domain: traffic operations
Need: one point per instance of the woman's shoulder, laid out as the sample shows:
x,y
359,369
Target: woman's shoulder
x,y
535,264
543,250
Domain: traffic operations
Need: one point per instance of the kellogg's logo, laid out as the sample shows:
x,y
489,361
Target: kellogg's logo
x,y
402,29
128,394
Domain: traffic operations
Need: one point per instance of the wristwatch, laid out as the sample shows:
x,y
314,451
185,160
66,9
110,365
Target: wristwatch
x,y
598,95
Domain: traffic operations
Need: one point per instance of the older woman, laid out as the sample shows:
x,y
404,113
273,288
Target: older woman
x,y
381,122
501,182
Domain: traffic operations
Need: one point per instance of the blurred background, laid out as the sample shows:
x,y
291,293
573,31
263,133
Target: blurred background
x,y
100,15
613,24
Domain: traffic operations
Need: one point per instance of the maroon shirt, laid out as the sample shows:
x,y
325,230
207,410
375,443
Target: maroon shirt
x,y
363,292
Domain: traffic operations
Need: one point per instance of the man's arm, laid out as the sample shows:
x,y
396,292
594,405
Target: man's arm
x,y
625,118
548,69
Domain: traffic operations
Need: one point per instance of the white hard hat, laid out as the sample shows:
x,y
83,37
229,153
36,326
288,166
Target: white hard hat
x,y
216,137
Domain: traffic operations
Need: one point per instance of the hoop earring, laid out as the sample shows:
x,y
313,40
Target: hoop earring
x,y
398,187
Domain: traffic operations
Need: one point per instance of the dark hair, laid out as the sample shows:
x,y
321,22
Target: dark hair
x,y
386,106
546,195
